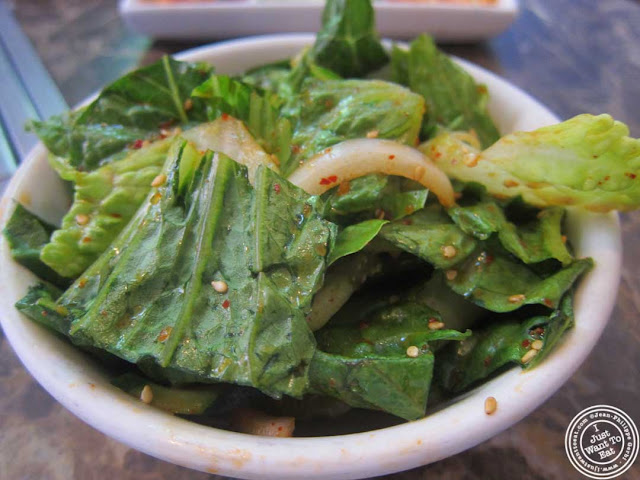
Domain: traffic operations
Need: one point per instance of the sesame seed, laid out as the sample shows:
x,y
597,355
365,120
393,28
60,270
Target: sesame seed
x,y
373,134
451,274
413,351
159,180
537,344
519,298
435,325
220,286
82,219
527,357
490,405
449,251
146,395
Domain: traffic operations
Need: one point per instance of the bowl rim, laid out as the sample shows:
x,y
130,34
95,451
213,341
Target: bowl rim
x,y
83,389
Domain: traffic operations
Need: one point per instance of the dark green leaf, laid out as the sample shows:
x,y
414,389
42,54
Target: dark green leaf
x,y
530,234
347,43
39,304
395,384
149,298
374,195
431,235
26,234
504,341
134,107
493,280
454,100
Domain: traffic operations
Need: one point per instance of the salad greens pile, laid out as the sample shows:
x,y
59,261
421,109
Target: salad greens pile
x,y
189,254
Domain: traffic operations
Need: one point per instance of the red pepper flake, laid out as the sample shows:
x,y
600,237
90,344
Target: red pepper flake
x,y
409,209
547,302
276,187
437,154
631,175
82,283
137,144
44,313
295,149
115,215
86,239
391,157
165,125
225,116
487,361
332,382
226,304
164,334
329,180
526,343
363,325
488,260
279,429
407,221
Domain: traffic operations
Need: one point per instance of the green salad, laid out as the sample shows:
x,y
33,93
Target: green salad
x,y
343,229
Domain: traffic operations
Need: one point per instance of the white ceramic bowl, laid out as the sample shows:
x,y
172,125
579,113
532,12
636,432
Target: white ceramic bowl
x,y
84,389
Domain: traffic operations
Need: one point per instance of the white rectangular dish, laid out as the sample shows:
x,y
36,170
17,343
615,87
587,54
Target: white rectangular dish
x,y
217,19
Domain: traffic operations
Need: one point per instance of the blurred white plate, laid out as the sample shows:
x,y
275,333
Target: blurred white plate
x,y
216,19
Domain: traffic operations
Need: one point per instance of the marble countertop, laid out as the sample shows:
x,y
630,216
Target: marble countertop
x,y
574,55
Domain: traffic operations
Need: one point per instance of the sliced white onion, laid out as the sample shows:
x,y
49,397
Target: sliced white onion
x,y
229,136
355,158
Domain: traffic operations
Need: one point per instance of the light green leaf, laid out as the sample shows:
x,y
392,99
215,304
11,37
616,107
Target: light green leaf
x,y
354,238
104,201
587,161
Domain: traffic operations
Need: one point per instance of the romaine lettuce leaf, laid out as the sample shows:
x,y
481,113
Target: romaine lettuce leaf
x,y
396,384
454,100
430,235
534,236
374,195
39,304
496,282
346,46
332,111
26,234
586,161
135,107
149,298
503,341
104,201
362,359
347,43
354,238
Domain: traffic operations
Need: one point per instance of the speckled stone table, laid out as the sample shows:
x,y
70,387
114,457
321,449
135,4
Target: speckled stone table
x,y
574,55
